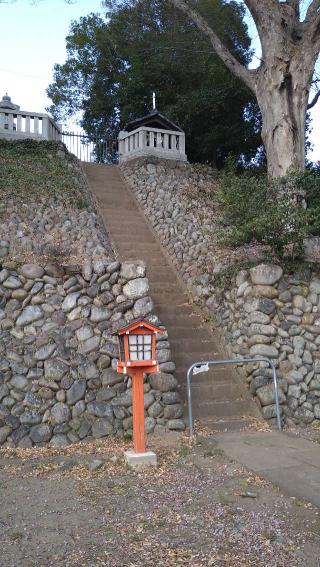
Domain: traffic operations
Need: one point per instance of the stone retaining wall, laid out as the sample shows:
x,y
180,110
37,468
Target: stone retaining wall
x,y
62,296
276,315
58,354
265,313
178,199
63,227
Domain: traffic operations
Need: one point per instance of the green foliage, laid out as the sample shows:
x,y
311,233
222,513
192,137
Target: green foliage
x,y
259,209
184,451
39,170
114,64
224,279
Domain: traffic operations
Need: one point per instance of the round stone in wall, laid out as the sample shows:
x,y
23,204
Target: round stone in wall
x,y
76,392
60,413
101,428
133,270
29,315
31,271
163,382
40,433
266,274
137,288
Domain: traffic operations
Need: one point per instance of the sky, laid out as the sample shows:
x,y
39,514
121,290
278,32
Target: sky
x,y
32,40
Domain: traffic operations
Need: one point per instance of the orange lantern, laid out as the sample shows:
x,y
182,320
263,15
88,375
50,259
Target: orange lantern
x,y
137,356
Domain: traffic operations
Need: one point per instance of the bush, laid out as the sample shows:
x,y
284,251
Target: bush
x,y
258,209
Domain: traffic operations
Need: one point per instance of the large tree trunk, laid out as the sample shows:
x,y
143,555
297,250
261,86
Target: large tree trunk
x,y
282,87
283,103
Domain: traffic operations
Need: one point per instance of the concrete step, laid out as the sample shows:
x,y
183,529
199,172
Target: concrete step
x,y
156,285
188,331
136,232
185,359
174,314
165,290
190,344
219,392
154,262
161,275
132,245
117,219
215,386
182,325
226,424
224,409
204,379
182,320
176,301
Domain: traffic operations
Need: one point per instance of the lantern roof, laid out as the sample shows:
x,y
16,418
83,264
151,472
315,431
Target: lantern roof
x,y
153,120
137,324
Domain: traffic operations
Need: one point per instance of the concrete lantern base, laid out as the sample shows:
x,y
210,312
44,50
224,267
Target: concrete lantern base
x,y
139,460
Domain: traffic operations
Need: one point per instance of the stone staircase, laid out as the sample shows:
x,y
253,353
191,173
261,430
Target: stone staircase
x,y
220,400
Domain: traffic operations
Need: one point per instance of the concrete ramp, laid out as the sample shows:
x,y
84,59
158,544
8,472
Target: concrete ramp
x,y
290,462
221,401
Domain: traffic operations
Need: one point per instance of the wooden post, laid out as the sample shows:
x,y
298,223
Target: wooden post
x,y
138,410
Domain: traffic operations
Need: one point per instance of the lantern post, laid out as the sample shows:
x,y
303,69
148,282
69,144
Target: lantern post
x,y
137,357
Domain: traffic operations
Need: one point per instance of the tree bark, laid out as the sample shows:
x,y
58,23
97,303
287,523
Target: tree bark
x,y
283,130
283,80
282,93
282,87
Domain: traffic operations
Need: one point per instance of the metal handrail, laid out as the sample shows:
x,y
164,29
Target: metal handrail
x,y
231,361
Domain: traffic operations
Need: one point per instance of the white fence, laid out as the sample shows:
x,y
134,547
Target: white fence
x,y
146,141
18,125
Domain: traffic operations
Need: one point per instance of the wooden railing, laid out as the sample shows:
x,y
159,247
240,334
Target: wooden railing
x,y
18,125
146,141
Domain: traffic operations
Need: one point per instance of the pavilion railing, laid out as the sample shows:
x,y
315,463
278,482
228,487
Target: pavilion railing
x,y
146,141
19,125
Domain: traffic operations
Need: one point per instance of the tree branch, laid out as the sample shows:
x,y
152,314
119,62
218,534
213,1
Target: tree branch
x,y
228,59
295,4
314,100
313,27
262,11
255,10
312,11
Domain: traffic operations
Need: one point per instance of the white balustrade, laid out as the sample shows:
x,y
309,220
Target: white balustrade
x,y
144,141
18,125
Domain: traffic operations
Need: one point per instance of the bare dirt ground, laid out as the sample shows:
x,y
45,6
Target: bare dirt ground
x,y
197,509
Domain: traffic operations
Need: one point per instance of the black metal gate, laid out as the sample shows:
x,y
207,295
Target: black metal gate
x,y
91,149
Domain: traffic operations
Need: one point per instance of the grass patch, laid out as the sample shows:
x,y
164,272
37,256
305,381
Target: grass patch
x,y
39,171
226,277
184,452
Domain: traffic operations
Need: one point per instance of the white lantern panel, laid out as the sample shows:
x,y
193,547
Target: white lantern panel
x,y
140,347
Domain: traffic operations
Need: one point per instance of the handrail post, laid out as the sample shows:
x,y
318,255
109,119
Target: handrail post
x,y
189,377
275,381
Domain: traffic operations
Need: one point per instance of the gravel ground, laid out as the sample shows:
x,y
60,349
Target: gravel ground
x,y
196,509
